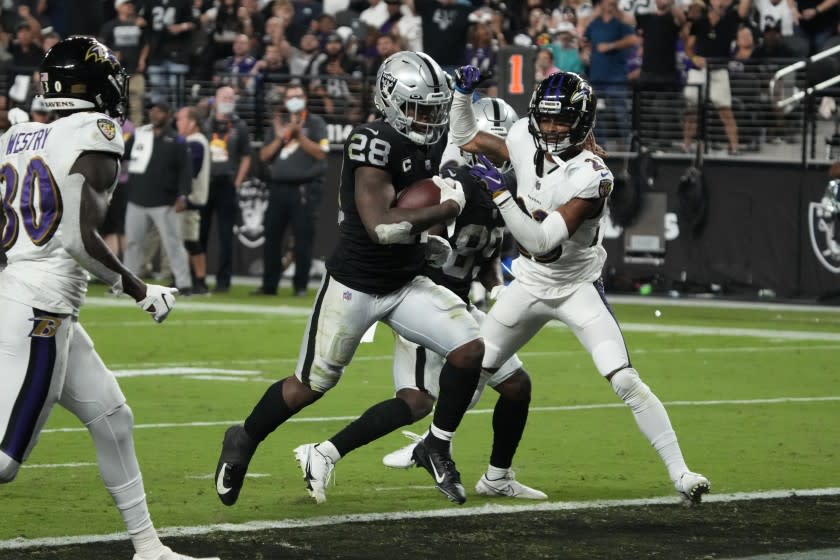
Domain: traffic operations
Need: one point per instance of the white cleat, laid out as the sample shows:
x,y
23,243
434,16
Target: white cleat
x,y
402,458
167,554
692,486
317,470
508,486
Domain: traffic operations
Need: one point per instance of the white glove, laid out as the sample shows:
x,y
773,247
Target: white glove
x,y
158,302
450,189
438,250
17,116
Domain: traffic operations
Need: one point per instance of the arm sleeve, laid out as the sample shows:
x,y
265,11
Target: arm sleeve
x,y
538,238
462,126
196,156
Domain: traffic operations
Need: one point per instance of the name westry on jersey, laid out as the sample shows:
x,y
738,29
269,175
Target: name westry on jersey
x,y
22,141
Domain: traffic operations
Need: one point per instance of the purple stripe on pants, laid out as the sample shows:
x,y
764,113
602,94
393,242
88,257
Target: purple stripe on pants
x,y
32,396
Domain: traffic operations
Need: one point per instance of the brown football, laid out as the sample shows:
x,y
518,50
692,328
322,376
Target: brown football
x,y
420,194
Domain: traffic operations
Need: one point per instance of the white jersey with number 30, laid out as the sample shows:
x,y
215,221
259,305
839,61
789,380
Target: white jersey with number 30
x,y
580,258
35,161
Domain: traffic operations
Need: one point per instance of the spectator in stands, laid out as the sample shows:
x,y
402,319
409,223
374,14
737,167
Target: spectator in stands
x,y
49,40
660,77
609,39
773,45
301,58
445,24
336,81
404,24
125,37
158,173
544,65
223,25
4,114
708,47
296,153
166,55
376,15
271,73
323,27
190,205
230,161
305,12
771,11
235,70
817,22
482,48
26,55
564,47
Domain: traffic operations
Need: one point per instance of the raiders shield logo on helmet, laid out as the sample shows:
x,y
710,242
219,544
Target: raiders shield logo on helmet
x,y
824,227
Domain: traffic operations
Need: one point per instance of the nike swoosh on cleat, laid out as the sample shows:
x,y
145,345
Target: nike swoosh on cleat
x,y
438,477
220,481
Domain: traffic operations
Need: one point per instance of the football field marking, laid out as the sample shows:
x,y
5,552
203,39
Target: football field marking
x,y
118,367
486,509
565,408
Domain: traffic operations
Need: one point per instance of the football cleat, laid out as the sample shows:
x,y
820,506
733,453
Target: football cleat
x,y
442,468
237,450
168,554
317,470
507,486
403,458
692,486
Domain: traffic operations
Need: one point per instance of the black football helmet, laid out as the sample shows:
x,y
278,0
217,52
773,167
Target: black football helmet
x,y
566,97
80,73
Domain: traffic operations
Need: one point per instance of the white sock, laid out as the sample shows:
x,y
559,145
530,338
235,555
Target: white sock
x,y
327,449
495,473
146,543
441,434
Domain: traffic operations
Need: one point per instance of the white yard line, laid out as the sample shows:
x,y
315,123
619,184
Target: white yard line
x,y
192,305
567,408
180,370
57,465
292,360
486,509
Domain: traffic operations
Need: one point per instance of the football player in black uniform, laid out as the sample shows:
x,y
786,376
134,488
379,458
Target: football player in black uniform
x,y
476,245
375,274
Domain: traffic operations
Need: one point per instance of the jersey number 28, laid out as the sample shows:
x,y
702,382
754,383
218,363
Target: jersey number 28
x,y
40,203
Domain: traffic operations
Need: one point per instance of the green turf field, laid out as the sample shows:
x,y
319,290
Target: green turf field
x,y
752,395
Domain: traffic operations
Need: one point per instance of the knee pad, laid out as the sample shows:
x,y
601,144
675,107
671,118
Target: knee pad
x,y
193,248
628,385
116,424
8,468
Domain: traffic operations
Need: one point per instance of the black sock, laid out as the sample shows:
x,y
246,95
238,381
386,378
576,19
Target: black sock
x,y
269,413
457,386
377,421
509,418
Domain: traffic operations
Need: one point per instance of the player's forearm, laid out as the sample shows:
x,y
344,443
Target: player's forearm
x,y
399,225
538,238
84,210
490,145
462,125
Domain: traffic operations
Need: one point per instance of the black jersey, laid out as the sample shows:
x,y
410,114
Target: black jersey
x,y
357,261
477,239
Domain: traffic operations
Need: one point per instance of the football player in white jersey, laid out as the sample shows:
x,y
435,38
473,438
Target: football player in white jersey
x,y
555,217
56,180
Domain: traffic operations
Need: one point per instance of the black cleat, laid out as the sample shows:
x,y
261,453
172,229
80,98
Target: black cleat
x,y
237,450
443,471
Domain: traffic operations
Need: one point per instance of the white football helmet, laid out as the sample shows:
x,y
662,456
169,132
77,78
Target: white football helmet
x,y
493,115
414,94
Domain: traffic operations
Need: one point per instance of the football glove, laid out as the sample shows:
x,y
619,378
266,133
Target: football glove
x,y
491,177
450,189
158,302
466,79
438,250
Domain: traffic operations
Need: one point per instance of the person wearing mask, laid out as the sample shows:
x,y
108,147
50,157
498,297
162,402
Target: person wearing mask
x,y
296,152
230,161
158,173
188,122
